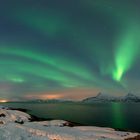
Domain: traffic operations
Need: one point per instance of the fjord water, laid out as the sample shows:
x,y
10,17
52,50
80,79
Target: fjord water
x,y
123,116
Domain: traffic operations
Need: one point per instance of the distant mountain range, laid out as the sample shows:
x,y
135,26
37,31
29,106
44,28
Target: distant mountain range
x,y
107,98
101,97
49,101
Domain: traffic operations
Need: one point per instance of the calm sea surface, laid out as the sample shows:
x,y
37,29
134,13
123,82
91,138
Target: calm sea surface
x,y
124,116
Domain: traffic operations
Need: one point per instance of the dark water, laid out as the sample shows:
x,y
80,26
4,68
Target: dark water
x,y
125,116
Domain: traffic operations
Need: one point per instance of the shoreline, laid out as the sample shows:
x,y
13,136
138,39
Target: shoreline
x,y
71,124
16,124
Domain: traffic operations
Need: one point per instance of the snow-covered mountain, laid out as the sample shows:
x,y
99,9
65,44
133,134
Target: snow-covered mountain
x,y
108,98
100,98
130,98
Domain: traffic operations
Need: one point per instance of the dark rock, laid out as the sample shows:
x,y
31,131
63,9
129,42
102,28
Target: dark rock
x,y
2,115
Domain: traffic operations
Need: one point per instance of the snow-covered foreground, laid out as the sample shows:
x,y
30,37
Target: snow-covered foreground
x,y
16,125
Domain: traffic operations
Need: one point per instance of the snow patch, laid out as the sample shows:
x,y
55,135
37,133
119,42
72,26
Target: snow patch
x,y
51,130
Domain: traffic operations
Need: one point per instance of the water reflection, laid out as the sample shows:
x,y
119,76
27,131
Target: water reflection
x,y
118,117
125,116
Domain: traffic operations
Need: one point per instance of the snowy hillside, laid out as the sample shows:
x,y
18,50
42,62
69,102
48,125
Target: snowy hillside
x,y
130,97
100,98
108,98
16,125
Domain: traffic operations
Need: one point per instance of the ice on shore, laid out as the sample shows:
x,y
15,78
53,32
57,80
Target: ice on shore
x,y
16,125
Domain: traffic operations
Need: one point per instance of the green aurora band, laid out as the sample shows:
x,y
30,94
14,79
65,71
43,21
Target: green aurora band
x,y
117,115
67,73
60,63
126,52
108,57
127,45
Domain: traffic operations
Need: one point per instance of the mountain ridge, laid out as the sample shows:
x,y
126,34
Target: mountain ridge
x,y
100,97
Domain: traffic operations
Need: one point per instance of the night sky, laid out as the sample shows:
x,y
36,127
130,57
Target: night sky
x,y
69,49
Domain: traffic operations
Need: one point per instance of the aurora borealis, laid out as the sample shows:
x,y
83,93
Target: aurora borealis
x,y
69,49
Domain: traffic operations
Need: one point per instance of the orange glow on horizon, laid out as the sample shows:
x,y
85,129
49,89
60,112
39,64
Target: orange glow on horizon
x,y
3,101
44,96
74,94
50,96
